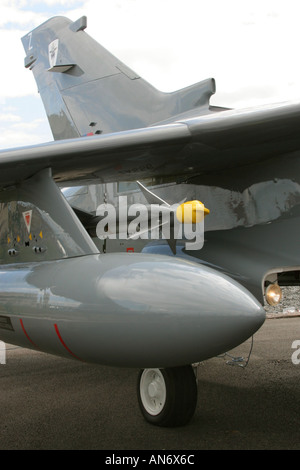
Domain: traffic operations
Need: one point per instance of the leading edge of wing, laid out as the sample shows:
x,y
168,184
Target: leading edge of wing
x,y
109,157
202,144
240,126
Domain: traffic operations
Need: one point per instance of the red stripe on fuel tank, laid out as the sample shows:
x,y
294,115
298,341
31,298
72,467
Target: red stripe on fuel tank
x,y
64,344
27,335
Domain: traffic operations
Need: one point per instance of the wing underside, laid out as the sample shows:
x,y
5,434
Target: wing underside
x,y
206,145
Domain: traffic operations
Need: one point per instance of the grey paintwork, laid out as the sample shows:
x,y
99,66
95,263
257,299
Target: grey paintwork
x,y
136,309
108,157
181,149
98,93
248,233
243,164
127,109
133,310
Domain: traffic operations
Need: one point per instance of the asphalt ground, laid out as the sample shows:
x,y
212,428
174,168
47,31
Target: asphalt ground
x,y
52,403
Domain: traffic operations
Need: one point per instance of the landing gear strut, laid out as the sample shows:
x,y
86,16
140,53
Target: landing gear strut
x,y
167,397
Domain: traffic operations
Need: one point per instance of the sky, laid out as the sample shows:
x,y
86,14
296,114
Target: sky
x,y
250,47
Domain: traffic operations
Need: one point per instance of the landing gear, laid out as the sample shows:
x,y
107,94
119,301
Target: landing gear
x,y
167,397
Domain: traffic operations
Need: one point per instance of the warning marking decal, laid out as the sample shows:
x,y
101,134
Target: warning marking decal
x,y
27,219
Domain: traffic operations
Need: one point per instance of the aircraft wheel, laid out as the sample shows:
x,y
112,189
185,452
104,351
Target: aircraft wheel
x,y
167,397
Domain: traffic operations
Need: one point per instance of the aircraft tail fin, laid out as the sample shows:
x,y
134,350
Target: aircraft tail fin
x,y
86,90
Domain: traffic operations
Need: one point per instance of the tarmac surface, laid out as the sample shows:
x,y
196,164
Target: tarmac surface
x,y
52,403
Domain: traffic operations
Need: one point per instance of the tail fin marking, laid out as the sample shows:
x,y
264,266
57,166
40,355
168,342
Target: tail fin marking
x,y
80,83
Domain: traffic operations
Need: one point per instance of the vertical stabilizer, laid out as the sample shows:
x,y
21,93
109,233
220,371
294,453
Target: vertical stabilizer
x,y
86,90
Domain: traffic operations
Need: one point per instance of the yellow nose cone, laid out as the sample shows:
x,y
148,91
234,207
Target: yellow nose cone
x,y
191,212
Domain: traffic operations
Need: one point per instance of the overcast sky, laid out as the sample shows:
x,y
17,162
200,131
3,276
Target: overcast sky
x,y
251,48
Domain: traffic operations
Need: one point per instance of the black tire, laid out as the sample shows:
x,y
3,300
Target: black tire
x,y
167,397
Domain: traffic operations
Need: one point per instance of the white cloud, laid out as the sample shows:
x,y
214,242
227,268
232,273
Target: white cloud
x,y
14,79
173,43
6,117
27,126
23,134
244,45
15,13
64,3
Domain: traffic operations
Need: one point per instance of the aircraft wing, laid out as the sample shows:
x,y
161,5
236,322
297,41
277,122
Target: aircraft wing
x,y
202,145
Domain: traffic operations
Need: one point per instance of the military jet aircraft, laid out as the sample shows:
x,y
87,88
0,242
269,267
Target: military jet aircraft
x,y
160,310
